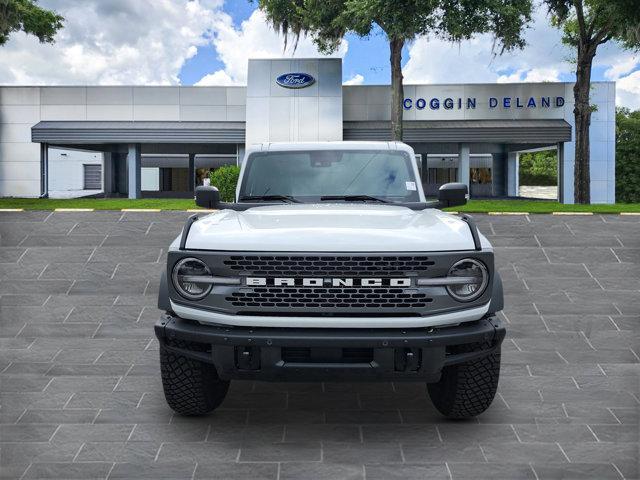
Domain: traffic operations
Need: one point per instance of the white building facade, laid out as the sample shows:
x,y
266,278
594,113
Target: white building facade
x,y
161,141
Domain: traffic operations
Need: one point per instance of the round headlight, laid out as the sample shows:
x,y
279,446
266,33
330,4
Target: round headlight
x,y
477,278
183,278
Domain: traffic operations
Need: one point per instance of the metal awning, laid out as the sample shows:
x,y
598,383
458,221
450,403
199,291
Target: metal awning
x,y
431,131
67,133
452,131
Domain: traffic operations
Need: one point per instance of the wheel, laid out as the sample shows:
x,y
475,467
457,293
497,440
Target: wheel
x,y
467,389
190,387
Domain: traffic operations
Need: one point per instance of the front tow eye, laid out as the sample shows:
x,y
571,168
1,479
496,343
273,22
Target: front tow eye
x,y
248,358
407,359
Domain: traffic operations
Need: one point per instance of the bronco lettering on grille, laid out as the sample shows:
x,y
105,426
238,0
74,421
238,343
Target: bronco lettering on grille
x,y
326,282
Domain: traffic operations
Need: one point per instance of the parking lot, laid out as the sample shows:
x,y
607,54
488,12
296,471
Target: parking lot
x,y
81,397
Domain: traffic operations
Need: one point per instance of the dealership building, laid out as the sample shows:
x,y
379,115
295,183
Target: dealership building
x,y
150,141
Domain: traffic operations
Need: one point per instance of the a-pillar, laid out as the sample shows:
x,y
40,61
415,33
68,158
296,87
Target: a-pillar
x,y
464,153
133,170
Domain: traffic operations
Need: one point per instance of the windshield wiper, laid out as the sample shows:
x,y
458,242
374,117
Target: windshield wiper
x,y
284,198
354,198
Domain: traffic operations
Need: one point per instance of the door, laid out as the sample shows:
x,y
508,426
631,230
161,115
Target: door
x,y
92,177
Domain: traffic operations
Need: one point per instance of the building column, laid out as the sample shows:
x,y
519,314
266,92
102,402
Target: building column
x,y
133,170
560,153
44,170
513,166
107,173
498,174
240,151
192,172
464,152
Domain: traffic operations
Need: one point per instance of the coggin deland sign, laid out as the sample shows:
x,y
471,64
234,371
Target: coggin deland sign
x,y
302,80
469,103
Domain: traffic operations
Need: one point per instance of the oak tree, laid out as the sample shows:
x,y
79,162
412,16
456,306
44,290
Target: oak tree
x,y
587,24
27,16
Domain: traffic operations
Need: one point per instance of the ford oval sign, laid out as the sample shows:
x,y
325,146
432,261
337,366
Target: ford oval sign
x,y
295,80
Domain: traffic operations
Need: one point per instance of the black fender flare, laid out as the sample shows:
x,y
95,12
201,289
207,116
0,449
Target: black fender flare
x,y
497,295
163,293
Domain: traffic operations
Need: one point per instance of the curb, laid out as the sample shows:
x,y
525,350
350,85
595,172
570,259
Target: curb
x,y
140,210
73,209
571,213
203,210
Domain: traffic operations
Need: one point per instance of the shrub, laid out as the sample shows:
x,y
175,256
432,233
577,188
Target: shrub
x,y
226,179
539,168
627,156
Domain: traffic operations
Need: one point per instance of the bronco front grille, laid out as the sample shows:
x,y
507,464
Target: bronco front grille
x,y
318,266
336,298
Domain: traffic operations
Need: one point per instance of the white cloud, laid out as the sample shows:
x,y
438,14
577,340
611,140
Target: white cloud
x,y
217,78
432,60
357,79
625,63
628,91
253,39
114,42
531,75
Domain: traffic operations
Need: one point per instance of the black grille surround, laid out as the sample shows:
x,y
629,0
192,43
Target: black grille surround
x,y
328,300
318,266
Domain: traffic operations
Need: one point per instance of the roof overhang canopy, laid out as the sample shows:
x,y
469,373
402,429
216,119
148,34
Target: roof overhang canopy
x,y
477,131
88,132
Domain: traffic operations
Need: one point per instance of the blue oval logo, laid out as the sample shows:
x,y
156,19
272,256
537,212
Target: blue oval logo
x,y
295,80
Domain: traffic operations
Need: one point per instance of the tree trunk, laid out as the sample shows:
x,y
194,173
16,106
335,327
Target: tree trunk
x,y
582,115
397,89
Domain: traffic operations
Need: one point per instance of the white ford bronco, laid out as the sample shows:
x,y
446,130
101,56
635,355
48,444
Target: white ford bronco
x,y
331,265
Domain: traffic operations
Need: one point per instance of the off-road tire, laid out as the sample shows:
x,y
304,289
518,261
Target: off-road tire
x,y
190,387
467,389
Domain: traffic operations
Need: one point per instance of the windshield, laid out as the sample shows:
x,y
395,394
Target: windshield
x,y
310,175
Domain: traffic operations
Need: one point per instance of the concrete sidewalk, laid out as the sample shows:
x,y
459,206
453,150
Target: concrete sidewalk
x,y
81,397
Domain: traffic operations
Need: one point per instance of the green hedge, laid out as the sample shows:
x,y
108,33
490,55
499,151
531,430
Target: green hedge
x,y
627,156
225,179
539,168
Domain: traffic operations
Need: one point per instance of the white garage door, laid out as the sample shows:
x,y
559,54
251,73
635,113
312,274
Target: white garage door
x,y
92,177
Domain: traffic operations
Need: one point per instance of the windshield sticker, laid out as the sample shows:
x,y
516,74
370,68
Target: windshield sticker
x,y
411,186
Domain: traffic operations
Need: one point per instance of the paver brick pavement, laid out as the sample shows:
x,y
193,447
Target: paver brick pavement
x,y
80,391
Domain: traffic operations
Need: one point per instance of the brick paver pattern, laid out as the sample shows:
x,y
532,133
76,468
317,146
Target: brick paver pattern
x,y
81,396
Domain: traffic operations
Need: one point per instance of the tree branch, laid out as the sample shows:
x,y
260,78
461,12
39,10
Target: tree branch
x,y
580,14
604,34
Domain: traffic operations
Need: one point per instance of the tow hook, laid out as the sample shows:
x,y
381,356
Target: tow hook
x,y
248,358
408,359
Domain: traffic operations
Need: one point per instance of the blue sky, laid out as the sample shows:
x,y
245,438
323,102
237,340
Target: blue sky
x,y
368,56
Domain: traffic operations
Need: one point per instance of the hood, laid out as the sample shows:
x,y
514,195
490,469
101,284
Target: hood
x,y
331,228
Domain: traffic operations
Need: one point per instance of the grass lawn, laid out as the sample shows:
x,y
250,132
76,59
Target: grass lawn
x,y
542,206
477,206
98,203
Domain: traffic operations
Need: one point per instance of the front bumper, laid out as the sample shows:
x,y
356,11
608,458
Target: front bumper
x,y
303,354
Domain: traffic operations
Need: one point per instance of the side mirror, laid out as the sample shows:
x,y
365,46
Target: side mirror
x,y
207,197
453,195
